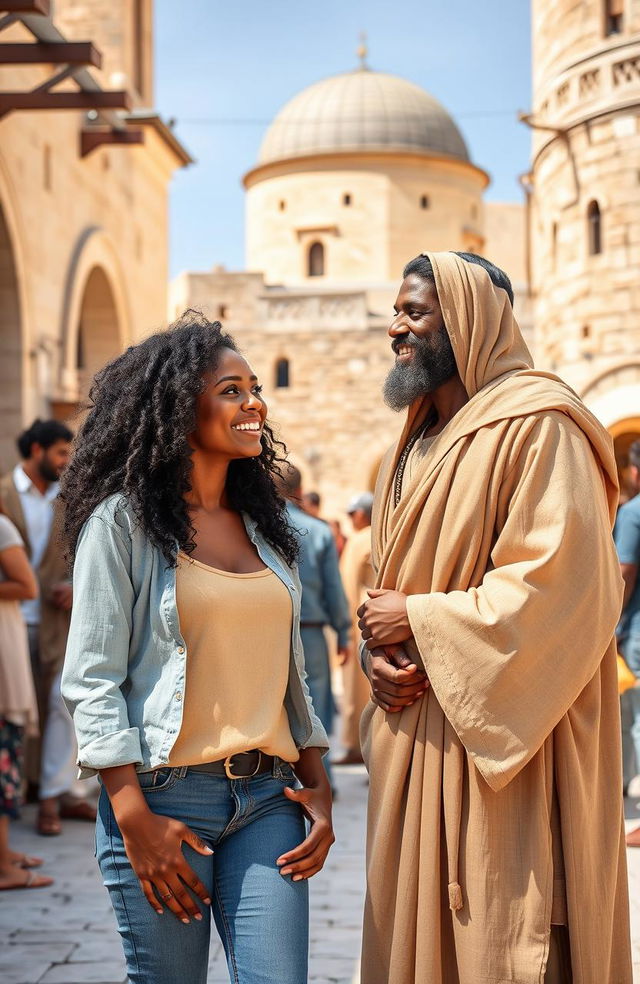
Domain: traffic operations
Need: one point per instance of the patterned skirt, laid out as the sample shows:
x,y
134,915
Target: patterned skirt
x,y
10,769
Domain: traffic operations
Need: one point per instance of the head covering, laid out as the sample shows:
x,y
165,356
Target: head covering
x,y
485,336
364,501
496,367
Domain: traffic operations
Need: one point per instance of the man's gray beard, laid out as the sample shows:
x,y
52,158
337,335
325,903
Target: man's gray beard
x,y
433,364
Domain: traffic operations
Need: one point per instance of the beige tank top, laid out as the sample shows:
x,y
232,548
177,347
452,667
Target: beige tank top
x,y
237,630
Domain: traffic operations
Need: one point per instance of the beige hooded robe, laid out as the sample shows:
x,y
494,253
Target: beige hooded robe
x,y
502,539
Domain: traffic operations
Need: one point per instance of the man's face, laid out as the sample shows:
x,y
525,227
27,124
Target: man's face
x,y
424,356
52,461
360,519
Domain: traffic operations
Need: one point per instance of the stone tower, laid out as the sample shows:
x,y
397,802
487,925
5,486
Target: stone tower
x,y
584,217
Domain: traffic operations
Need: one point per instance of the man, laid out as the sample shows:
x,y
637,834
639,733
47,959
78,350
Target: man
x,y
357,575
627,538
323,599
495,830
29,498
311,504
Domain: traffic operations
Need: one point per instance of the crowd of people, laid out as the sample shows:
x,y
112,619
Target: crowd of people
x,y
495,800
38,747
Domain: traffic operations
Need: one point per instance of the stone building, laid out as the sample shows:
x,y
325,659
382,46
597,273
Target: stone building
x,y
356,175
584,230
83,200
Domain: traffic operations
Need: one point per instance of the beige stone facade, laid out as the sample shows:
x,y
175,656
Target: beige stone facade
x,y
362,171
83,239
585,204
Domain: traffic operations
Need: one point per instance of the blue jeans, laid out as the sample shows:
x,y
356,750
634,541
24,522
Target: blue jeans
x,y
630,711
316,663
261,916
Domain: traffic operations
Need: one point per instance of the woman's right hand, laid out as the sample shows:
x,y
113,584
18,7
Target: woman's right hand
x,y
154,847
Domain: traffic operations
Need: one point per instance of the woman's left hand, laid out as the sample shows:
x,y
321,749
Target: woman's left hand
x,y
309,857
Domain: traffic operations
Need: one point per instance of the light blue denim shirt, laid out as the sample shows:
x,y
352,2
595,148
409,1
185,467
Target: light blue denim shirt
x,y
126,661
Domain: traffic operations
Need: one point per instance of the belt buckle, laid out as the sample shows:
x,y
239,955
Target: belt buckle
x,y
228,767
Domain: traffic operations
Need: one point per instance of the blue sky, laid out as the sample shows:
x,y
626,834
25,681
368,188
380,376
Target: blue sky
x,y
223,70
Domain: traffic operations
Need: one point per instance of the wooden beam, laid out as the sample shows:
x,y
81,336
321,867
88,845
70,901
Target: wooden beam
x,y
10,101
93,137
65,53
26,6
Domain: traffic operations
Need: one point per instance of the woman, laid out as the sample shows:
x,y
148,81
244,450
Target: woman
x,y
18,713
184,667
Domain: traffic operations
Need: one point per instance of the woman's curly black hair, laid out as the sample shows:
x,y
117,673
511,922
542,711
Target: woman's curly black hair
x,y
134,440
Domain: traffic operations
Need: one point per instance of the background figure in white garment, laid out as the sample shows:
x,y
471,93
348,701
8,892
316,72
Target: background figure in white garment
x,y
29,497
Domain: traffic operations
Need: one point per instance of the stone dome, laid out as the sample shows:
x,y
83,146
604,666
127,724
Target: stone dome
x,y
362,110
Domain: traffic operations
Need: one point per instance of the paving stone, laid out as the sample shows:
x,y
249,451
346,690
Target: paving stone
x,y
103,948
86,973
67,934
27,962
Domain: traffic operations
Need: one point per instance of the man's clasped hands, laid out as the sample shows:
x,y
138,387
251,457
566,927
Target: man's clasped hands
x,y
396,681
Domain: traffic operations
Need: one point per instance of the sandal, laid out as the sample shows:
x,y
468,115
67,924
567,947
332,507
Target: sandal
x,y
77,810
31,880
48,824
24,860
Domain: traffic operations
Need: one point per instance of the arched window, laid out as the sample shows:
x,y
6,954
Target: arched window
x,y
346,199
282,373
554,242
424,201
315,260
613,16
46,167
282,205
594,228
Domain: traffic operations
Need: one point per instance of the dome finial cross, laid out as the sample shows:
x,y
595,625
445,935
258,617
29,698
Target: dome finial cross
x,y
362,51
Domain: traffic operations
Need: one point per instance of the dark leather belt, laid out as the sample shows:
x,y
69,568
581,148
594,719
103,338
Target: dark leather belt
x,y
243,765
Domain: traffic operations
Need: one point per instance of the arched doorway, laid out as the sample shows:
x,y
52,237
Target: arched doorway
x,y
624,433
10,350
99,334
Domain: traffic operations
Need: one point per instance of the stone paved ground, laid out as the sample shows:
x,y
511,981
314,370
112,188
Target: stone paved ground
x,y
66,934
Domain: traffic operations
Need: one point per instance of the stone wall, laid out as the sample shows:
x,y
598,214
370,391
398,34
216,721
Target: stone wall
x,y
62,218
396,206
588,89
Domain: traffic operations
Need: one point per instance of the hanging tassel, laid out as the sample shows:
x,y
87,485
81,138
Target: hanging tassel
x,y
455,896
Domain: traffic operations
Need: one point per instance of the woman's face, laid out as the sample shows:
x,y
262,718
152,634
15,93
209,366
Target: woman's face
x,y
230,413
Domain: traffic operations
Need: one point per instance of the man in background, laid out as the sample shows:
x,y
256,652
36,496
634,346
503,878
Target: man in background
x,y
29,497
311,503
323,598
357,575
627,537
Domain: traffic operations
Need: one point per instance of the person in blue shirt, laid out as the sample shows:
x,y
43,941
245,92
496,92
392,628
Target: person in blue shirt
x,y
627,537
323,599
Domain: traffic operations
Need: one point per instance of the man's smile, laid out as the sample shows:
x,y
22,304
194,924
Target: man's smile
x,y
403,350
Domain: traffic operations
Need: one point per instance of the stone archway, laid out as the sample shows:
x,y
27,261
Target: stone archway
x,y
99,333
614,398
96,321
624,433
11,369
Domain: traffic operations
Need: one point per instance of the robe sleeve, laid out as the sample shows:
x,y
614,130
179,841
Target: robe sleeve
x,y
508,658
